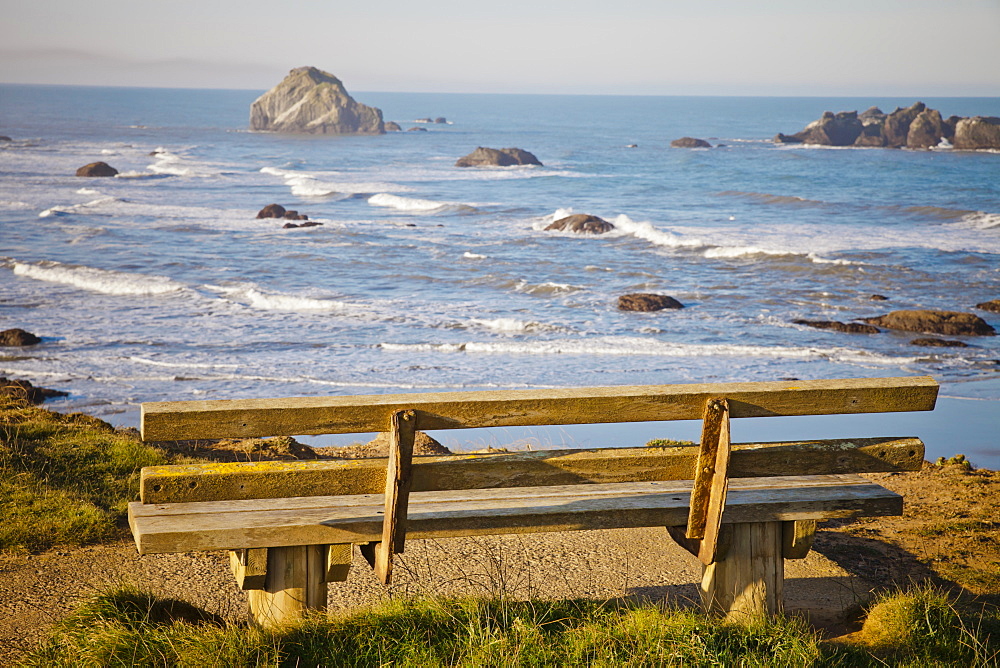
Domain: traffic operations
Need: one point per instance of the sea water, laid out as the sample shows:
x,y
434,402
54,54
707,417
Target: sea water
x,y
160,284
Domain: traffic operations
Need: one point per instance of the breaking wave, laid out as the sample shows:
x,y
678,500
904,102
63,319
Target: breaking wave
x,y
98,280
415,205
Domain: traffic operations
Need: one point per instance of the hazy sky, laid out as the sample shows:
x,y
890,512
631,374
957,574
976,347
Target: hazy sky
x,y
664,47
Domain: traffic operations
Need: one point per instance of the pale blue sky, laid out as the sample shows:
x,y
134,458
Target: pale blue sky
x,y
662,47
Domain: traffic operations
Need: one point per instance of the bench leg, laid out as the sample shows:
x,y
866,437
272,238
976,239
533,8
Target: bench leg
x,y
748,581
295,583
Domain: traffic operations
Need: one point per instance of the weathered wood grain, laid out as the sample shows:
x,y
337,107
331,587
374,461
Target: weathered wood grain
x,y
358,518
338,563
399,475
295,584
797,538
708,495
748,582
262,480
249,567
164,421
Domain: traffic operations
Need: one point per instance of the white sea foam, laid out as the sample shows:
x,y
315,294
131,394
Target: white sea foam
x,y
181,364
510,325
473,256
74,208
171,164
638,346
98,280
266,300
88,191
980,220
414,205
318,184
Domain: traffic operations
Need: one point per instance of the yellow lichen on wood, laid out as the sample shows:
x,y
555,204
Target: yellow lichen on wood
x,y
259,480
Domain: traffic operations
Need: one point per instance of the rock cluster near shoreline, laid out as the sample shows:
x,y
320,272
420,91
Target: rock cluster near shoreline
x,y
311,101
24,388
915,127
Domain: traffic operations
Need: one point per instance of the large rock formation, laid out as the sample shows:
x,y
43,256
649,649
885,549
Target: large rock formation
x,y
581,223
916,127
497,157
23,389
310,101
934,322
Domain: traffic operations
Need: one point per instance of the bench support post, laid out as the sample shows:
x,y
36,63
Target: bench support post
x,y
747,582
295,583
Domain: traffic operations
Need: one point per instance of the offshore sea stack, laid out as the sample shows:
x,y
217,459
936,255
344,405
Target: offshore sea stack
x,y
311,101
916,127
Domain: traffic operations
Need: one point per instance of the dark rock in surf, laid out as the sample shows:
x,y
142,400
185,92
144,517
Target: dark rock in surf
x,y
5,138
393,126
417,129
581,223
295,215
938,343
18,337
272,211
878,298
493,157
97,169
845,327
644,301
23,389
978,132
441,120
690,142
311,101
949,323
993,306
311,223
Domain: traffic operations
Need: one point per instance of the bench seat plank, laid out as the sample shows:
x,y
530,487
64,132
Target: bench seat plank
x,y
317,520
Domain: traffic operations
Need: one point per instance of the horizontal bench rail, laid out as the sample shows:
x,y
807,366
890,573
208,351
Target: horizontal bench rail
x,y
245,418
319,520
261,480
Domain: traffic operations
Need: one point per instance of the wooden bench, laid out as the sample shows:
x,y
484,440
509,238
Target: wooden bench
x,y
741,508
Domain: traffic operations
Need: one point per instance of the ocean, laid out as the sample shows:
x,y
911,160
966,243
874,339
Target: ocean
x,y
161,285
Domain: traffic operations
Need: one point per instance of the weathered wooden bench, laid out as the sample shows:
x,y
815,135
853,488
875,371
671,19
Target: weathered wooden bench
x,y
741,508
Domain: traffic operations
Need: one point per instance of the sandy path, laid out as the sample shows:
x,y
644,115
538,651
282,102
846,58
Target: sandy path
x,y
36,591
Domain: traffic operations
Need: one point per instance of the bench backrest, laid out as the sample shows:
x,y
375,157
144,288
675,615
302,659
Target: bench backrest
x,y
163,421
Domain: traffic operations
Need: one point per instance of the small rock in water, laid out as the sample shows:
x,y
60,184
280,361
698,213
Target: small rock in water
x,y
18,337
644,301
497,157
845,327
272,211
690,142
993,306
582,223
939,343
879,298
934,322
97,169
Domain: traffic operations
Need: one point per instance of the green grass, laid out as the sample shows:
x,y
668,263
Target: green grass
x,y
125,627
64,479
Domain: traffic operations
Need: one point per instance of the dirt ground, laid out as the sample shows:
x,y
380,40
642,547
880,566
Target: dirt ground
x,y
949,534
